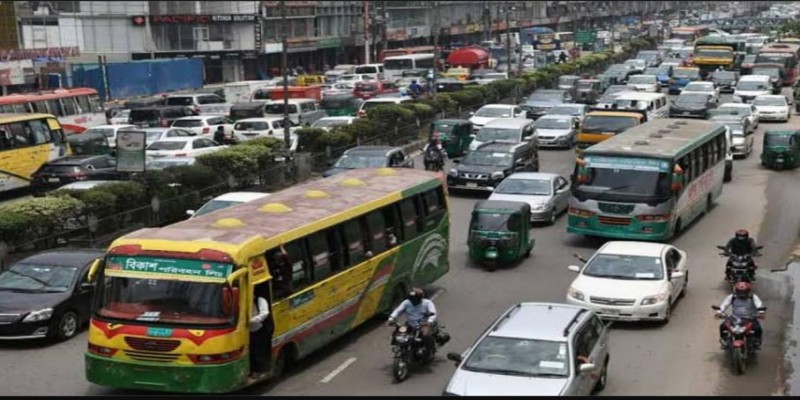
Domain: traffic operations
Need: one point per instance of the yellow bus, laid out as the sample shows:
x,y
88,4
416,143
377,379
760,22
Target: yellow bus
x,y
27,141
174,303
601,125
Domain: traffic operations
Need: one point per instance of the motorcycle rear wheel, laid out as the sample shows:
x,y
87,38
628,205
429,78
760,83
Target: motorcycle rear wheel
x,y
399,369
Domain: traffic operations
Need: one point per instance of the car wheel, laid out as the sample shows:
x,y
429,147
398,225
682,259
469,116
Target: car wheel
x,y
685,286
603,381
668,312
67,326
553,215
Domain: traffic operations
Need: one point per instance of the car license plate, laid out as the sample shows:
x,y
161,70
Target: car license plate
x,y
472,184
609,311
54,180
687,113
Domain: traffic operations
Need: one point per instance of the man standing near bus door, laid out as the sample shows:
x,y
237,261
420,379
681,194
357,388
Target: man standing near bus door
x,y
262,326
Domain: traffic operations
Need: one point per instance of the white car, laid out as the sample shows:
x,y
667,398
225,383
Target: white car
x,y
644,83
120,117
109,131
749,111
702,87
201,103
183,147
636,64
155,134
329,122
224,201
491,77
773,107
493,111
253,128
166,162
570,109
631,281
204,125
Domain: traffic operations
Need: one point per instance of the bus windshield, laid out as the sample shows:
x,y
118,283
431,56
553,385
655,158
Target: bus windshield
x,y
623,183
713,53
398,64
782,59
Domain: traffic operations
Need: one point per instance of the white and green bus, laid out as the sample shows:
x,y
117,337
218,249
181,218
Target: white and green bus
x,y
649,182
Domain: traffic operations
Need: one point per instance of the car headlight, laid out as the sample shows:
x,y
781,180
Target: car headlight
x,y
498,175
538,206
654,299
39,315
575,294
453,172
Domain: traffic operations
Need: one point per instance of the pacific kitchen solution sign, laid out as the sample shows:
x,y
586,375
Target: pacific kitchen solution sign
x,y
141,20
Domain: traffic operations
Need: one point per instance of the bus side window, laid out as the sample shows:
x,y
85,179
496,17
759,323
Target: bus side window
x,y
353,242
70,108
19,136
713,151
434,207
40,132
410,216
322,256
83,103
40,107
301,271
55,107
391,214
376,228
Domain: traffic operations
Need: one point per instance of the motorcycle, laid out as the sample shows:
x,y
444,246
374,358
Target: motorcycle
x,y
739,338
410,351
740,268
434,161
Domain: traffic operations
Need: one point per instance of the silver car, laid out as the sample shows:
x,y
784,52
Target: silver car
x,y
547,194
535,349
559,131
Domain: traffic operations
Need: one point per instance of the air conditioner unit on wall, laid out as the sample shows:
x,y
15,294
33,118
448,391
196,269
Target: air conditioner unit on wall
x,y
210,46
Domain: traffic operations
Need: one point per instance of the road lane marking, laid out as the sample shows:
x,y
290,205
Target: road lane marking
x,y
435,295
338,370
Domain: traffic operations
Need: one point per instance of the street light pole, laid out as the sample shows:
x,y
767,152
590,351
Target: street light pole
x,y
285,67
508,42
435,27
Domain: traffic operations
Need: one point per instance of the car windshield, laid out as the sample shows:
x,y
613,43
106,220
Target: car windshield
x,y
608,123
519,357
179,101
751,85
39,278
698,87
496,112
327,123
487,134
561,110
252,126
642,80
717,53
769,101
487,158
770,72
107,132
535,187
647,55
619,266
161,164
566,81
553,123
163,145
692,98
778,140
277,108
494,222
585,85
737,128
724,75
214,205
732,110
546,96
187,123
686,74
353,161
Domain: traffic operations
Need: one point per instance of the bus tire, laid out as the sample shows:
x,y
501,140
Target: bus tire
x,y
677,229
709,203
283,362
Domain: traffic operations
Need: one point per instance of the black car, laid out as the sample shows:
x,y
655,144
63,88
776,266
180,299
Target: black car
x,y
725,80
158,116
619,73
69,169
485,167
370,157
47,295
541,101
692,105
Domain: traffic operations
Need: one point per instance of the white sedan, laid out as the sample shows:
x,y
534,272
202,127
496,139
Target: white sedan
x,y
702,87
329,122
631,281
644,83
773,107
204,125
109,131
747,111
192,146
494,111
253,128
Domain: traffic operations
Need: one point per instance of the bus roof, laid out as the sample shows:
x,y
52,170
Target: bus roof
x,y
610,113
254,227
659,138
6,118
46,95
416,56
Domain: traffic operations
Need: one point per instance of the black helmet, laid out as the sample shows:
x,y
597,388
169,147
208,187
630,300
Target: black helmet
x,y
742,234
415,296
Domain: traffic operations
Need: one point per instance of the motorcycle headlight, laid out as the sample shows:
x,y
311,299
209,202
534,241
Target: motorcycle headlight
x,y
737,330
39,315
575,294
453,172
498,175
654,299
402,329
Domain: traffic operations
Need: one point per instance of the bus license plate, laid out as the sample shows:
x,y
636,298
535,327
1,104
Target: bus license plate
x,y
472,184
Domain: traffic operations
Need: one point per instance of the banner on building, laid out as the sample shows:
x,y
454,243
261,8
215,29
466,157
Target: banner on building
x,y
46,52
15,72
141,20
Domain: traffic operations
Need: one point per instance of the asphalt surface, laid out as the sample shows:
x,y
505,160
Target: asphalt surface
x,y
680,358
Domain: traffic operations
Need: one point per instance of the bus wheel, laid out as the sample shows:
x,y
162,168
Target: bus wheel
x,y
678,227
709,203
283,362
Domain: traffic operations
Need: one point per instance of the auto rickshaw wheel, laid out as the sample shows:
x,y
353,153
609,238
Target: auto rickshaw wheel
x,y
491,265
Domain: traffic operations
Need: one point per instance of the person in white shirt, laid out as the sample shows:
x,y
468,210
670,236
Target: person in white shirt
x,y
261,330
420,314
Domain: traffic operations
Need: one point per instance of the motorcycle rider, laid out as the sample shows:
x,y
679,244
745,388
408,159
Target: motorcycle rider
x,y
745,304
434,145
420,315
415,89
740,245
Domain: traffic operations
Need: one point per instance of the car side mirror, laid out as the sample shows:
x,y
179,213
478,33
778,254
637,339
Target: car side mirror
x,y
190,212
677,274
87,286
579,257
588,367
574,268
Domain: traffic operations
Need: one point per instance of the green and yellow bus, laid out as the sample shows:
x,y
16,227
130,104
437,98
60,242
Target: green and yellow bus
x,y
649,182
174,303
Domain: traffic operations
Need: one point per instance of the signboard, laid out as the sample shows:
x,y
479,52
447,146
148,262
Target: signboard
x,y
636,164
329,43
47,52
14,72
141,20
582,37
270,48
165,268
130,151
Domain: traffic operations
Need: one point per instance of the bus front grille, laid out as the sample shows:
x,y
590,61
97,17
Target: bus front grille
x,y
151,356
152,345
615,221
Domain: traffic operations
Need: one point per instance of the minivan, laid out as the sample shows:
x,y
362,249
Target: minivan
x,y
374,70
159,116
654,104
750,86
302,112
511,130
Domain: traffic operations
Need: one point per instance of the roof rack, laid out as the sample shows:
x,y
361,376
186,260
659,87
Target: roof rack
x,y
574,321
506,316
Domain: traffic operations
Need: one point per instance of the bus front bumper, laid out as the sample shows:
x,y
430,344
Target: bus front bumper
x,y
618,228
123,374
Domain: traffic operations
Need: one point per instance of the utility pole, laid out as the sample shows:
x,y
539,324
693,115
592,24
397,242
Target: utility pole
x,y
285,66
375,21
366,32
508,41
435,27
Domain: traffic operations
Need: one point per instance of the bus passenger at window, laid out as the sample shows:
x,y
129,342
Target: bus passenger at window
x,y
280,267
391,238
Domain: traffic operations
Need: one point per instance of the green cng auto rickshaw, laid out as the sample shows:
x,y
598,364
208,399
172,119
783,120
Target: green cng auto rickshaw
x,y
455,134
499,232
341,105
781,149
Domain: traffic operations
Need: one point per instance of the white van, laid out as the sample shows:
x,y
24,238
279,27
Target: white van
x,y
377,101
374,70
654,104
750,86
394,66
302,112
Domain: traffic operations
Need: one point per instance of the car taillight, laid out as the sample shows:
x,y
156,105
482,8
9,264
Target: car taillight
x,y
580,213
220,358
206,130
654,217
101,351
196,109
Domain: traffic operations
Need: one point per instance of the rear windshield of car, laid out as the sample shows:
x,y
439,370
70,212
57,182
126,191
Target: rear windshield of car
x,y
167,146
179,101
187,123
251,126
144,115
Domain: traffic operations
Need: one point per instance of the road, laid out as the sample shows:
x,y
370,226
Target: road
x,y
680,358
